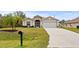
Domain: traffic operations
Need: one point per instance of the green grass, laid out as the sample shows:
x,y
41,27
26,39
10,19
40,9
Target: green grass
x,y
32,38
73,29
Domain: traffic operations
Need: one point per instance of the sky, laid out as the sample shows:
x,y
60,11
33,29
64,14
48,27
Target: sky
x,y
66,15
61,9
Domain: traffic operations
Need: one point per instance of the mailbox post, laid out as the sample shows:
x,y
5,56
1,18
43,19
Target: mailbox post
x,y
21,38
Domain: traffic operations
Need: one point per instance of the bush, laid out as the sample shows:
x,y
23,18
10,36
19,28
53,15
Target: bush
x,y
77,27
32,26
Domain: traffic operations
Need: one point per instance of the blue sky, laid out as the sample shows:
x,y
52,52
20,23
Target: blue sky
x,y
67,15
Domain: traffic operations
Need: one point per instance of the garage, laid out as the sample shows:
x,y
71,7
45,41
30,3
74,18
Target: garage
x,y
49,25
49,22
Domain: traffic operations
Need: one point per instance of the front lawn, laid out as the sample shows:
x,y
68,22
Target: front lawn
x,y
73,29
32,38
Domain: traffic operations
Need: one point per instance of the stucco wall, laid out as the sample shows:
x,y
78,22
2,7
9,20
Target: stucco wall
x,y
45,22
74,25
24,23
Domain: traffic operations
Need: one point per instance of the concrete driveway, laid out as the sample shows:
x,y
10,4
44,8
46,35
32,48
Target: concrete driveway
x,y
61,38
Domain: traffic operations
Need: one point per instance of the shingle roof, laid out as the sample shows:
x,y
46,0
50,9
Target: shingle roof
x,y
51,18
37,16
75,20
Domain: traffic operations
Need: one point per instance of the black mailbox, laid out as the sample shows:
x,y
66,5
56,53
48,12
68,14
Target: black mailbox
x,y
21,37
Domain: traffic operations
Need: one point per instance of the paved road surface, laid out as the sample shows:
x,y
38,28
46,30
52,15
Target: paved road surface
x,y
61,38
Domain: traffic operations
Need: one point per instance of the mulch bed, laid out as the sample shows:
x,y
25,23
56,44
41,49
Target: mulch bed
x,y
8,30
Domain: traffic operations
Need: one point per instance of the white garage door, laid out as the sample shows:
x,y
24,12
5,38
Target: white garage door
x,y
49,25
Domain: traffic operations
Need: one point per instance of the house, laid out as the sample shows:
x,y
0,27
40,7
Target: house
x,y
74,23
38,21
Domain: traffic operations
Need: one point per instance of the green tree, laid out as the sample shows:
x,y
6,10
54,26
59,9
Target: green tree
x,y
13,19
18,20
9,21
20,14
1,20
62,21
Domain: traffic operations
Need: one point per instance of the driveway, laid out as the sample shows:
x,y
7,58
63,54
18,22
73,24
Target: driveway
x,y
61,38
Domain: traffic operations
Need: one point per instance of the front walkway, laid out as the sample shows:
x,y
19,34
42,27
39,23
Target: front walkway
x,y
61,38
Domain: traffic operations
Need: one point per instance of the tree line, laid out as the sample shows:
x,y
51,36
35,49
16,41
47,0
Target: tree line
x,y
12,19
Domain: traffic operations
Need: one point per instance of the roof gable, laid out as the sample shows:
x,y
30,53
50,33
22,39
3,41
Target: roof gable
x,y
75,20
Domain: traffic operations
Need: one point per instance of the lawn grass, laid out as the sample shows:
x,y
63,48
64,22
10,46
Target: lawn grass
x,y
32,38
73,29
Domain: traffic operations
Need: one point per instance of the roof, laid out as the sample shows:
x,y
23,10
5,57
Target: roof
x,y
75,20
37,16
51,18
27,19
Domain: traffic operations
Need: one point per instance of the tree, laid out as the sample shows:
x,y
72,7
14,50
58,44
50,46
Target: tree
x,y
13,19
0,15
62,21
9,21
18,20
20,14
1,20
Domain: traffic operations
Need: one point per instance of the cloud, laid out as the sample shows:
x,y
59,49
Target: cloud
x,y
58,14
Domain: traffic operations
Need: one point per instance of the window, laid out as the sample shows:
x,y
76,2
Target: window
x,y
28,23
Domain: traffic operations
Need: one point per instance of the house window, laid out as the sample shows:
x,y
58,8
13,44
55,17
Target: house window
x,y
28,23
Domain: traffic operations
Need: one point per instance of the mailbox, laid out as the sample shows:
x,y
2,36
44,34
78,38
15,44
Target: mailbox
x,y
21,37
20,32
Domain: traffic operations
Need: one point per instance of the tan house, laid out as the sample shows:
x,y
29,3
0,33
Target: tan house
x,y
38,21
72,23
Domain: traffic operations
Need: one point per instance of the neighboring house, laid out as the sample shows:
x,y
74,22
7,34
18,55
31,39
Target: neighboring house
x,y
74,23
39,21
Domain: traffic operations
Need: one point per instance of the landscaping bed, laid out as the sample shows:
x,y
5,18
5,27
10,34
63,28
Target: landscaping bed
x,y
73,29
8,30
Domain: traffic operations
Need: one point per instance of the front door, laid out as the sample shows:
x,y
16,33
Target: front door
x,y
37,23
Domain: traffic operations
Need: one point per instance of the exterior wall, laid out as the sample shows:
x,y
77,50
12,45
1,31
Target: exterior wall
x,y
34,19
68,25
74,25
58,23
50,23
25,22
31,23
45,22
